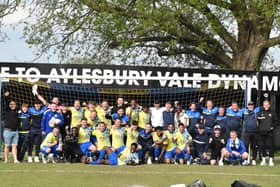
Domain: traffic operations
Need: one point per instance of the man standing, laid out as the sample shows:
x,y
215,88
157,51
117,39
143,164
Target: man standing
x,y
250,128
157,115
234,118
168,115
50,119
10,133
267,121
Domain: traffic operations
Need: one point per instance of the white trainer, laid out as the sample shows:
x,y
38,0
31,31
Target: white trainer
x,y
36,159
149,161
221,163
188,163
51,158
263,162
29,160
254,163
245,163
44,160
271,162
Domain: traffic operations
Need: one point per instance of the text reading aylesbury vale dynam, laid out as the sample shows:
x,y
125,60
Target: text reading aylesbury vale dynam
x,y
69,75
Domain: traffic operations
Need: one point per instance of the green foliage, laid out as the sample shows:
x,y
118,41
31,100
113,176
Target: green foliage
x,y
220,33
6,7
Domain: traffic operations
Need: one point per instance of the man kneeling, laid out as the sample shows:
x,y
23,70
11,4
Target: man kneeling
x,y
126,157
235,150
51,146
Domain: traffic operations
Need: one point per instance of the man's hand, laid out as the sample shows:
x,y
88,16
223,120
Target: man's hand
x,y
235,153
6,94
204,155
139,147
223,141
201,99
210,140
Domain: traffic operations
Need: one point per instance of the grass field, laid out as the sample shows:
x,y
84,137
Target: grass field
x,y
147,175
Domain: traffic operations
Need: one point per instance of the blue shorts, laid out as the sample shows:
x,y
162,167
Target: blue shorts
x,y
181,155
233,158
120,149
53,150
113,159
10,137
170,154
84,147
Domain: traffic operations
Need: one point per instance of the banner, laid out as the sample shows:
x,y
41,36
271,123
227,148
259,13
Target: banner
x,y
86,75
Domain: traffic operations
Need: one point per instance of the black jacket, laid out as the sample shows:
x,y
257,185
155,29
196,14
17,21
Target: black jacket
x,y
267,121
11,116
200,142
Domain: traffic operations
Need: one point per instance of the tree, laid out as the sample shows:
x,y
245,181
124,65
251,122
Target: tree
x,y
6,7
230,34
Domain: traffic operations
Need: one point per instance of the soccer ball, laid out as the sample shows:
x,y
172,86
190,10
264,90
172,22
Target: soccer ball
x,y
57,121
52,122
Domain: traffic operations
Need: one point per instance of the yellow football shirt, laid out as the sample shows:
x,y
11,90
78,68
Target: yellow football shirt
x,y
87,114
158,138
170,140
50,138
132,137
117,137
182,139
101,116
144,118
84,135
132,114
126,156
103,138
76,116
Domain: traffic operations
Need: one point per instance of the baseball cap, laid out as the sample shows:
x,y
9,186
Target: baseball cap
x,y
217,127
251,103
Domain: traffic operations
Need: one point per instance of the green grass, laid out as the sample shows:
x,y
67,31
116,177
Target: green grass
x,y
154,175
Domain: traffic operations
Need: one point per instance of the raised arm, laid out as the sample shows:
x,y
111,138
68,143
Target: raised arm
x,y
35,93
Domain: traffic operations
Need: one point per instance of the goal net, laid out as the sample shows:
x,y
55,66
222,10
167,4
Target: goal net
x,y
183,89
21,92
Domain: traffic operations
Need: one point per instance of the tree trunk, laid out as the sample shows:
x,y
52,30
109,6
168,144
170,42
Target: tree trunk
x,y
249,59
250,54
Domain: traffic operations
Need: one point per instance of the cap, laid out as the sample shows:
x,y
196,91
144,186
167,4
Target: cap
x,y
217,127
251,103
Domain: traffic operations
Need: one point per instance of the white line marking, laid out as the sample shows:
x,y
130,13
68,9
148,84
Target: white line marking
x,y
142,172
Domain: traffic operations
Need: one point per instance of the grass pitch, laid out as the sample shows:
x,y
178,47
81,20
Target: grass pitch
x,y
69,175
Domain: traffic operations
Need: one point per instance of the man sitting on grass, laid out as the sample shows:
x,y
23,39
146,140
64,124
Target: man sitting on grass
x,y
128,156
51,145
200,146
159,144
71,148
235,150
183,140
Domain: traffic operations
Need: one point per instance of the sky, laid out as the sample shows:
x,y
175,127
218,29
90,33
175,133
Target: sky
x,y
14,49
